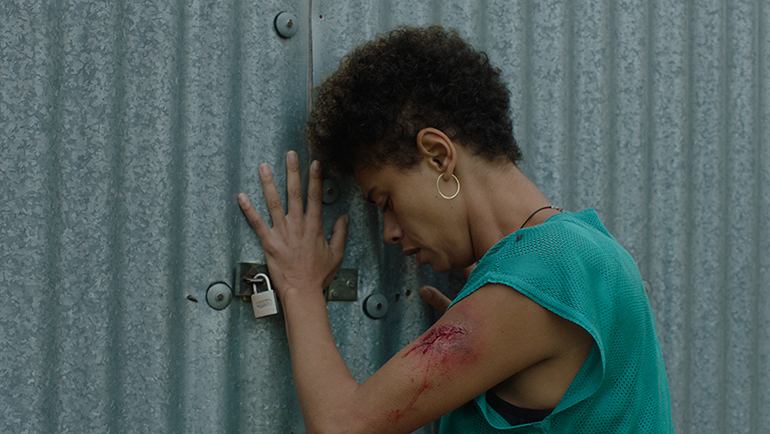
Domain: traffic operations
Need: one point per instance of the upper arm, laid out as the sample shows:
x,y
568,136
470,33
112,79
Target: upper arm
x,y
480,341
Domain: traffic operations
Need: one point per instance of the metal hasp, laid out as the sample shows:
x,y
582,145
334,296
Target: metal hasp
x,y
344,286
219,295
286,24
376,306
244,274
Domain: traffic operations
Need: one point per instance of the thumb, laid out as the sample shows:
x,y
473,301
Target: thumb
x,y
435,298
339,235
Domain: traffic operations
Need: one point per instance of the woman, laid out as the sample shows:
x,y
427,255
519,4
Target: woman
x,y
552,332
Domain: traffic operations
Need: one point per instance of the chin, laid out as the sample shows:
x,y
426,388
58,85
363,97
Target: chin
x,y
441,268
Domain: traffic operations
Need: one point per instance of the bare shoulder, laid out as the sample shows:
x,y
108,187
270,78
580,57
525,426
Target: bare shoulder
x,y
500,314
538,352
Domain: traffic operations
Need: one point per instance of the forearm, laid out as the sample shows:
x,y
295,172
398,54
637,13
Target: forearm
x,y
322,380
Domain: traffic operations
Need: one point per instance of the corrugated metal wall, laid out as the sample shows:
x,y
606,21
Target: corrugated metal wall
x,y
127,128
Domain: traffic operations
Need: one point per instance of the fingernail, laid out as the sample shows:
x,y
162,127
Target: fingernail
x,y
315,166
291,157
242,198
264,169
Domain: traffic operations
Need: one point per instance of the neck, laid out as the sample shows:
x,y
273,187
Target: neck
x,y
500,200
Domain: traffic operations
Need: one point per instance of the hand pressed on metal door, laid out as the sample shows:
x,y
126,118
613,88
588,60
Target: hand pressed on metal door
x,y
297,253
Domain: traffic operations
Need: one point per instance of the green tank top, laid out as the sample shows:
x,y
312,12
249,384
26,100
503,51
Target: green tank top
x,y
573,267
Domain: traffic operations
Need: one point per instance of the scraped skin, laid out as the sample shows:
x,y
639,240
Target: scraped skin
x,y
446,340
439,351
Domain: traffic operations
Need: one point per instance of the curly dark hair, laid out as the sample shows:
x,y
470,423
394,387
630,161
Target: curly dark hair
x,y
367,114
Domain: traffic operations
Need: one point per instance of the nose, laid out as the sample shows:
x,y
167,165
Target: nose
x,y
391,231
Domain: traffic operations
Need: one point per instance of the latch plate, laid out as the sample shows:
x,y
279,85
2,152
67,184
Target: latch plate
x,y
344,286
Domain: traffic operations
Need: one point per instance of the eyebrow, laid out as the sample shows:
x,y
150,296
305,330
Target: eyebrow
x,y
370,193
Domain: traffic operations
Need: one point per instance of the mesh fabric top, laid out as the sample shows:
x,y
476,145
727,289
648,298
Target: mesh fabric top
x,y
573,267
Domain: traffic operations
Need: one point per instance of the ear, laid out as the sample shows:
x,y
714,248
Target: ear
x,y
438,150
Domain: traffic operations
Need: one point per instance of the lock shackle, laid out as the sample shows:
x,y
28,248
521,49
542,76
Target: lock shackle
x,y
259,278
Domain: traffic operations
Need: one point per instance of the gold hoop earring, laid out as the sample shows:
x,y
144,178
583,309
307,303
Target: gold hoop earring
x,y
438,182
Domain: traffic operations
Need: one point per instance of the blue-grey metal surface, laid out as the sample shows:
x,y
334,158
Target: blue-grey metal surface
x,y
127,128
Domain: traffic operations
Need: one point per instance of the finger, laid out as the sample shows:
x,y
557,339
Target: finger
x,y
339,235
272,198
467,270
314,193
293,185
255,220
435,298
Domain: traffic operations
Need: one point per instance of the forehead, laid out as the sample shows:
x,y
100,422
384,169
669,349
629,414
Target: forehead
x,y
372,179
384,178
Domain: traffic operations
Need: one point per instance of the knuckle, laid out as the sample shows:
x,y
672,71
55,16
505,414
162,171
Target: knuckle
x,y
274,204
314,195
295,193
257,223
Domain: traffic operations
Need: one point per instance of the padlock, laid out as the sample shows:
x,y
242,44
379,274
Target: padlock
x,y
264,303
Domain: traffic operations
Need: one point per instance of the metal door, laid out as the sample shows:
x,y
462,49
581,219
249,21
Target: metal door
x,y
128,130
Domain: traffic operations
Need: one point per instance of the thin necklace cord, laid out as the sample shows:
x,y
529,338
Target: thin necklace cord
x,y
537,211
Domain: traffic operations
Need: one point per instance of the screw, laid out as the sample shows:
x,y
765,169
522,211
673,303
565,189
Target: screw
x,y
220,297
351,284
379,306
290,23
334,293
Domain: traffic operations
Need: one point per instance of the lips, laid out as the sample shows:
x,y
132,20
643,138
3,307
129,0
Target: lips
x,y
413,251
410,252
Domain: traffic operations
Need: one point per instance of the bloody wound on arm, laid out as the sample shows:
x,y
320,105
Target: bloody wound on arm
x,y
441,350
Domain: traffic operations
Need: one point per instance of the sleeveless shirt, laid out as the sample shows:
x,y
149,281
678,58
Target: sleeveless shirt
x,y
573,267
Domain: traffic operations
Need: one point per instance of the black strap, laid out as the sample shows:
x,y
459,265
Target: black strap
x,y
513,414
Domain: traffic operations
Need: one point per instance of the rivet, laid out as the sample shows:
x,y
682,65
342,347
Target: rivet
x,y
330,191
376,306
284,24
218,295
